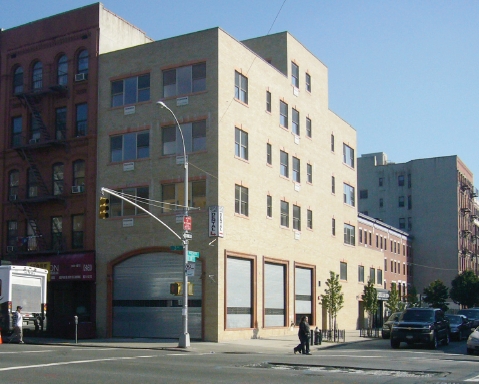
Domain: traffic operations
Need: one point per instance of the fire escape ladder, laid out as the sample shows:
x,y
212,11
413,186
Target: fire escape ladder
x,y
31,102
39,242
27,155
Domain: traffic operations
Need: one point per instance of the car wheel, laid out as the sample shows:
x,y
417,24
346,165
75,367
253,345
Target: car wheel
x,y
385,336
434,342
469,351
395,344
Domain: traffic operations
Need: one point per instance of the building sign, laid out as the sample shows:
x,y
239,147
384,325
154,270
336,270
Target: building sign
x,y
215,221
75,267
383,295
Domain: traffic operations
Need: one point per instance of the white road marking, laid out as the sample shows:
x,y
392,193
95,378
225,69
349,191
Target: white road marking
x,y
71,362
92,349
473,379
20,352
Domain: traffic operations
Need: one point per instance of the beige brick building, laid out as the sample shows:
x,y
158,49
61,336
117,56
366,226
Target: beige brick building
x,y
263,146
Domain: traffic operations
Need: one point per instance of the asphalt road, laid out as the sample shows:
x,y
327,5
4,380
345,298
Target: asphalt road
x,y
367,362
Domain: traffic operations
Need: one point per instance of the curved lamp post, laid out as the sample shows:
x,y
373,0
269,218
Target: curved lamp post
x,y
184,341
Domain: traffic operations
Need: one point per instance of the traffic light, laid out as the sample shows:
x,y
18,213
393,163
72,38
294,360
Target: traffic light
x,y
177,289
104,208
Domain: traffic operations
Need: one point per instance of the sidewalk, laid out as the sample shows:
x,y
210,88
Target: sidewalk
x,y
280,344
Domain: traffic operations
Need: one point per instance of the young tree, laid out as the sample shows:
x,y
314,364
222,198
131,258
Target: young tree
x,y
464,289
370,302
394,304
436,295
333,298
411,297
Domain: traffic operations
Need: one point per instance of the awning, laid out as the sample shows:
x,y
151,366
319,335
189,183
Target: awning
x,y
70,267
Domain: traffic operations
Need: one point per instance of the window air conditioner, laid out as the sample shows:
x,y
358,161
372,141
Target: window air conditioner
x,y
11,248
13,197
34,141
80,76
78,189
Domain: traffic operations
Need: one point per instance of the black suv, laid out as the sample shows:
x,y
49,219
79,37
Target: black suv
x,y
472,314
420,325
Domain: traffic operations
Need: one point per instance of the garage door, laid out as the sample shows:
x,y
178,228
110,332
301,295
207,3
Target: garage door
x,y
142,303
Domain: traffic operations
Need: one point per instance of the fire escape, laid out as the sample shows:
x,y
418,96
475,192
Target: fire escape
x,y
468,223
30,150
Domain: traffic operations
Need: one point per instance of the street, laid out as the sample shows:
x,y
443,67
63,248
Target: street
x,y
365,362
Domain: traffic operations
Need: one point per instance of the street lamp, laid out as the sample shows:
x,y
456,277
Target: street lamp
x,y
184,341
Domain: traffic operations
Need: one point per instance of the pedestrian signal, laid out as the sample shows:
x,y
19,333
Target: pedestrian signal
x,y
177,289
104,208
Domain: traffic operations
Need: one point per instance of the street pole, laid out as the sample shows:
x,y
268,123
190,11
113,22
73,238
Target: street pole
x,y
184,340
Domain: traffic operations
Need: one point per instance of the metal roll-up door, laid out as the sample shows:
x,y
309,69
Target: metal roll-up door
x,y
303,294
142,303
238,293
274,297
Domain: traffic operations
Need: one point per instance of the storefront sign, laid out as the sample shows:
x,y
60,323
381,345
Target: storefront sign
x,y
74,267
215,222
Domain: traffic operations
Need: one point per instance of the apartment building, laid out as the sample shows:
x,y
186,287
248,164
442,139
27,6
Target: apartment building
x,y
434,200
48,98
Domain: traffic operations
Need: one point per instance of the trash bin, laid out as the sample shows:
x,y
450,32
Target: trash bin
x,y
318,336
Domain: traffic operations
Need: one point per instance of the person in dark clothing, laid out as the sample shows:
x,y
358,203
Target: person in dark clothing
x,y
304,333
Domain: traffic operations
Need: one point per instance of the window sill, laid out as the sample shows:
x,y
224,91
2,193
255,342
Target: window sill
x,y
241,159
241,102
284,128
241,216
184,95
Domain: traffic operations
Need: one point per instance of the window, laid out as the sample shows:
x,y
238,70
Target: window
x,y
349,234
283,160
269,206
60,123
401,201
294,75
130,146
241,200
343,271
17,131
309,173
283,114
333,226
35,127
13,183
348,155
333,184
381,202
62,70
284,213
372,275
377,241
409,202
295,122
58,181
361,273
12,234
241,144
268,101
381,181
241,87
360,235
82,63
370,239
348,193
296,170
81,126
78,173
57,235
184,80
130,91
402,223
409,223
308,82
32,183
173,195
18,80
309,127
119,207
296,217
363,194
77,231
409,182
401,180
37,76
309,219
269,155
385,265
194,134
332,143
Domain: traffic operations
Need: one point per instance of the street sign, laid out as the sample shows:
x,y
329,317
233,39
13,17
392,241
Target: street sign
x,y
190,269
192,256
187,235
176,247
187,223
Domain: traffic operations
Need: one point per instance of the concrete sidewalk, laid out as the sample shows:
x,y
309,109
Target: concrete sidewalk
x,y
280,344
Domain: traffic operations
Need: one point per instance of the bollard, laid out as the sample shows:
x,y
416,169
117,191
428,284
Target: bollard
x,y
76,329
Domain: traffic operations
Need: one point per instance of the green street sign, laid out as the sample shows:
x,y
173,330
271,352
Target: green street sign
x,y
176,247
192,256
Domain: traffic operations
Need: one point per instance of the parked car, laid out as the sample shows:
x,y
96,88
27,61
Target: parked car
x,y
473,342
472,314
421,325
386,330
460,327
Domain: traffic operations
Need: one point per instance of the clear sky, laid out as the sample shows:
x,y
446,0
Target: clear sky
x,y
403,73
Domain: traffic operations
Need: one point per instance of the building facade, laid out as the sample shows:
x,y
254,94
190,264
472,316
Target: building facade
x,y
434,200
48,96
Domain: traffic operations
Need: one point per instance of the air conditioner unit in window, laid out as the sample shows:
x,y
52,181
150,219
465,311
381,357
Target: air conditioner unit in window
x,y
34,141
78,189
81,76
11,248
13,197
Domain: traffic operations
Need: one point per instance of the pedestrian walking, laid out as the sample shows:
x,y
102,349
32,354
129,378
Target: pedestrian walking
x,y
18,325
304,335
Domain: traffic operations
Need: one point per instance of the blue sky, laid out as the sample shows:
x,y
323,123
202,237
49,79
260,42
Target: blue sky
x,y
403,73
